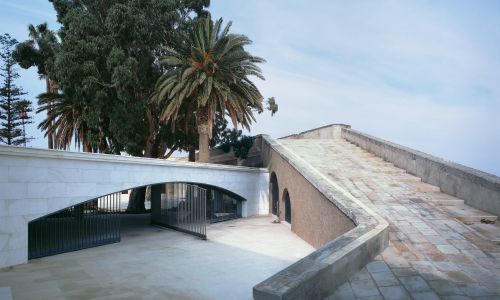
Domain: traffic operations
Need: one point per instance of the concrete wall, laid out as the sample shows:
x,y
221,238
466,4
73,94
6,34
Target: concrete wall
x,y
478,189
37,182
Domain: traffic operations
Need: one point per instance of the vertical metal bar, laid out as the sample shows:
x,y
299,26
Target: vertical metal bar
x,y
190,207
204,220
196,214
84,223
105,213
118,220
193,207
92,228
193,212
100,217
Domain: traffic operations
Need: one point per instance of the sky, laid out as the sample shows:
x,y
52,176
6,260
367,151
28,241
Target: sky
x,y
424,74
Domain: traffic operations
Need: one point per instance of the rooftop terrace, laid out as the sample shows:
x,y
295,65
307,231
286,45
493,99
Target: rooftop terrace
x,y
431,253
387,222
157,263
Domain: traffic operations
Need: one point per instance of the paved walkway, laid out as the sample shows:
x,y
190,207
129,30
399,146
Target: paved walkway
x,y
156,263
431,255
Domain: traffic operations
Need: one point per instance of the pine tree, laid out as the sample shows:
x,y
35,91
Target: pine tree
x,y
14,110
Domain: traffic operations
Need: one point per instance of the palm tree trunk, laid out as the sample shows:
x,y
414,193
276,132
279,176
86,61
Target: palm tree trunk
x,y
86,147
204,144
203,120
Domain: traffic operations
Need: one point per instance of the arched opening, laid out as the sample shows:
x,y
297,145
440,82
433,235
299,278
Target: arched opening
x,y
273,185
186,207
288,207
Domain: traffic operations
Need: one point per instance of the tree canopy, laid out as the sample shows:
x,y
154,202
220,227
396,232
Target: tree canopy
x,y
104,61
14,109
209,74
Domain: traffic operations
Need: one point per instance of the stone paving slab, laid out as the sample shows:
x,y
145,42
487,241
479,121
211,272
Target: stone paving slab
x,y
158,263
431,254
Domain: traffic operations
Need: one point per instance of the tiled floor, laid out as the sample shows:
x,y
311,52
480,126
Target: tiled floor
x,y
156,263
431,255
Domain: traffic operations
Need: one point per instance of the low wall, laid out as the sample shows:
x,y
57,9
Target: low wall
x,y
254,159
321,211
332,131
314,218
479,189
37,182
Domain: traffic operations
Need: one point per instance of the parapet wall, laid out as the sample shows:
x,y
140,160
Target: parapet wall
x,y
479,189
333,131
36,182
350,234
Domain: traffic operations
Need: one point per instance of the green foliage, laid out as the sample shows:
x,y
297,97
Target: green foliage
x,y
65,121
14,110
105,63
208,72
38,51
234,139
272,106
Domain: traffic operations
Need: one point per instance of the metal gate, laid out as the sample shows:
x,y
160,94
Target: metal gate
x,y
92,223
182,207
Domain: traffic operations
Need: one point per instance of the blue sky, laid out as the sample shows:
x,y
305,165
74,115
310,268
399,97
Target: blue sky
x,y
424,74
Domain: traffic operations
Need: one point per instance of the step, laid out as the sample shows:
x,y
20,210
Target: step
x,y
469,215
445,202
477,219
424,188
408,178
490,232
442,199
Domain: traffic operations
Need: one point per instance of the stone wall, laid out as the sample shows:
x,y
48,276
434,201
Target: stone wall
x,y
37,182
332,131
315,219
479,189
348,233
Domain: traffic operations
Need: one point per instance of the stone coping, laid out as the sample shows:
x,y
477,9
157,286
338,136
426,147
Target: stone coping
x,y
112,158
479,189
293,135
318,274
487,179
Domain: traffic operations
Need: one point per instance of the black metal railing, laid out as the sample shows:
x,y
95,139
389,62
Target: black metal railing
x,y
222,207
182,207
89,224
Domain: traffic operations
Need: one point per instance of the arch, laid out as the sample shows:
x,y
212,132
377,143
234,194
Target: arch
x,y
288,206
274,194
48,181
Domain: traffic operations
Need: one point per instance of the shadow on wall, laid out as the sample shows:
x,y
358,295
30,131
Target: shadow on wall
x,y
181,206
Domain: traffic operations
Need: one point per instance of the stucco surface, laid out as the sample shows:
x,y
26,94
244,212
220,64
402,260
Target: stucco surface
x,y
37,182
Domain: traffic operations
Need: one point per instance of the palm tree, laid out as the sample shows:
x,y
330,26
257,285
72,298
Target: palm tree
x,y
36,52
65,122
207,75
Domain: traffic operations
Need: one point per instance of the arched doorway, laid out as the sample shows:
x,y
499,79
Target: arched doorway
x,y
273,185
288,207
